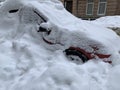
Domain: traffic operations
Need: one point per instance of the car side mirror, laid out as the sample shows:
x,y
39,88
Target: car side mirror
x,y
42,29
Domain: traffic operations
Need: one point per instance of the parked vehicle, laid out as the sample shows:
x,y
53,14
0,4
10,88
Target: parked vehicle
x,y
80,40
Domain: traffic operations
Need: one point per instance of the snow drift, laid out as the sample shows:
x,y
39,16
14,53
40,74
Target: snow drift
x,y
111,22
25,63
108,21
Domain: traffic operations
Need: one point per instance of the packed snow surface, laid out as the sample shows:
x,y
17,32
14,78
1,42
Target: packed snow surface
x,y
26,64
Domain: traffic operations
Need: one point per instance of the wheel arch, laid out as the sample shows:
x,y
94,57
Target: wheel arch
x,y
78,50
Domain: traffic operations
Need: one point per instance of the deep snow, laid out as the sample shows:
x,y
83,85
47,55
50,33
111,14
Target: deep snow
x,y
108,21
111,22
26,64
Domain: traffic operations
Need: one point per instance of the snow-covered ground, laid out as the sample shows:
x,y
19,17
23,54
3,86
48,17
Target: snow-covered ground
x,y
111,22
108,21
25,64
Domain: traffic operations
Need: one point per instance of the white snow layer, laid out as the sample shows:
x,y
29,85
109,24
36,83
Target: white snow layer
x,y
108,21
25,64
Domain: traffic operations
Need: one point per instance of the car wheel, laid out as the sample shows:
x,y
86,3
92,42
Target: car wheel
x,y
76,56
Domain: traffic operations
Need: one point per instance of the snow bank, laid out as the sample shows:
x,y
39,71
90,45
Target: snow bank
x,y
26,68
114,78
25,63
111,22
108,21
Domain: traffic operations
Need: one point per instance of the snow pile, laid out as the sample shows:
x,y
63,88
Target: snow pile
x,y
26,64
29,66
108,21
111,22
114,78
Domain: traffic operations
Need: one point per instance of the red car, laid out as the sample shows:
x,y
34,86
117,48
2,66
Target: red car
x,y
80,40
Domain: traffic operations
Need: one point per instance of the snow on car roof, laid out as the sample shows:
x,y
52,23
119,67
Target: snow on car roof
x,y
56,14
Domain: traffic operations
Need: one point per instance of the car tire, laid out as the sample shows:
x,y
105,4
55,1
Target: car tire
x,y
76,56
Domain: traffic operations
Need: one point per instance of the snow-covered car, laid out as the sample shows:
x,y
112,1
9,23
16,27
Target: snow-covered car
x,y
60,30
